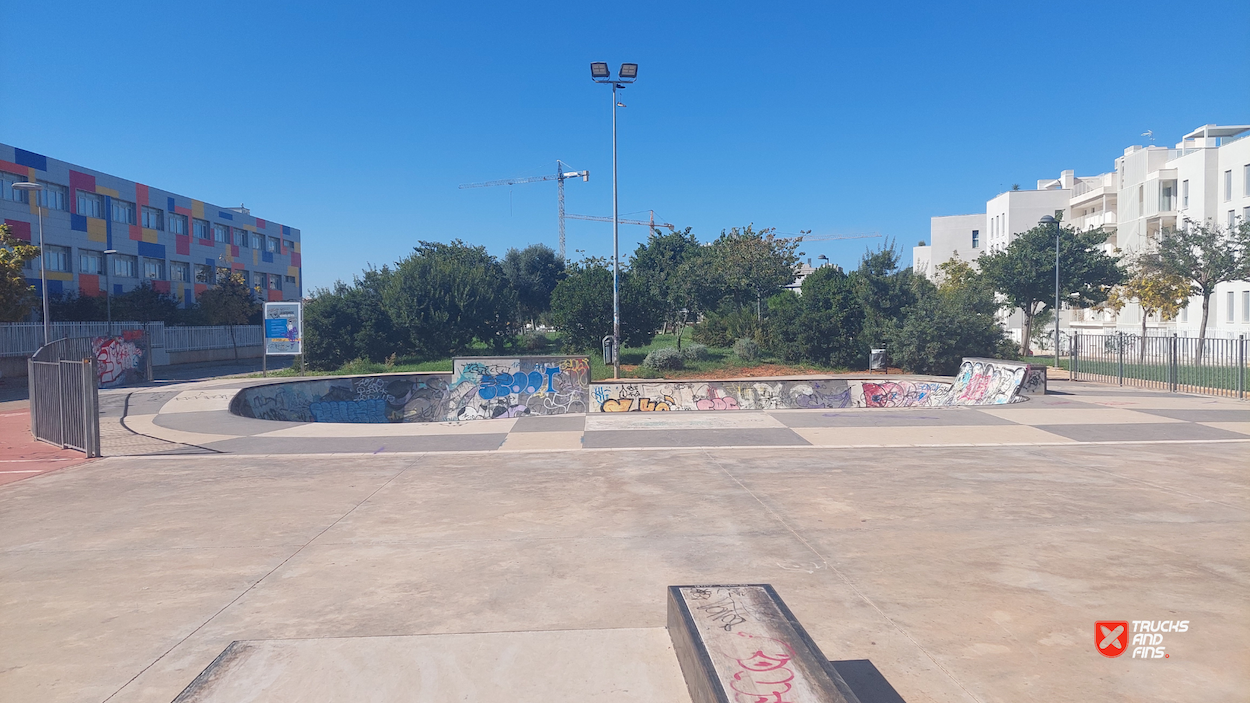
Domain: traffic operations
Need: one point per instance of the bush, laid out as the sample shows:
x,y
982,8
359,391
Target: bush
x,y
720,329
581,308
695,352
747,349
535,341
663,359
822,326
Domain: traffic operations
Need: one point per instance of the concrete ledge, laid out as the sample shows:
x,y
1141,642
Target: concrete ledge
x,y
741,643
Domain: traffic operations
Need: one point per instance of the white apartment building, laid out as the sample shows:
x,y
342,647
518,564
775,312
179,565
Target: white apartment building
x,y
1205,178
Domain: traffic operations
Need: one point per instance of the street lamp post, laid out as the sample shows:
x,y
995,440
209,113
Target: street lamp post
x,y
32,190
1047,220
108,289
627,74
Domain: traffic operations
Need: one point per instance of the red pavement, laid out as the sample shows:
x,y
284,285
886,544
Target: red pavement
x,y
22,456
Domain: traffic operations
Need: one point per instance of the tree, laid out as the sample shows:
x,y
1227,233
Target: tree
x,y
17,296
884,290
581,308
442,297
823,325
350,322
1204,255
1154,291
671,266
947,322
749,266
1024,272
144,303
534,272
230,302
76,307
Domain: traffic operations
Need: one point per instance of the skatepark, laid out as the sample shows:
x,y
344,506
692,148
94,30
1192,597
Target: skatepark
x,y
964,551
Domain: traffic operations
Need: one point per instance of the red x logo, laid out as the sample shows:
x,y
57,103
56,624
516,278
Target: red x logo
x,y
1111,637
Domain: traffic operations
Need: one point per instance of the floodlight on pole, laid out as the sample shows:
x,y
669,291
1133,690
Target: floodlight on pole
x,y
32,190
1047,221
599,73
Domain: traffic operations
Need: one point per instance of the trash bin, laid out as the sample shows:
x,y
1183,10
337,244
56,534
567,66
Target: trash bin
x,y
876,359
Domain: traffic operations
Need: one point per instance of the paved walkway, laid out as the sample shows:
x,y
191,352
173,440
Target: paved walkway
x,y
194,418
21,455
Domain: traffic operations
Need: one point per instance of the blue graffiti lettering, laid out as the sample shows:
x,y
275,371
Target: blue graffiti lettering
x,y
349,411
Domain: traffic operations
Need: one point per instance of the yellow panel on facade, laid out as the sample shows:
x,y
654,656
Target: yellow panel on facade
x,y
197,209
256,256
97,230
296,246
250,228
292,271
150,236
107,191
33,201
59,276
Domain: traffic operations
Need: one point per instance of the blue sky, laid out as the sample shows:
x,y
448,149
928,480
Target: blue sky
x,y
356,122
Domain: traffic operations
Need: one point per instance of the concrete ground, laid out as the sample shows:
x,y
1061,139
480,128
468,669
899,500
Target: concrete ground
x,y
969,570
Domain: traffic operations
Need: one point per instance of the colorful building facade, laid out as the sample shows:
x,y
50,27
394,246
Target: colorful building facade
x,y
106,233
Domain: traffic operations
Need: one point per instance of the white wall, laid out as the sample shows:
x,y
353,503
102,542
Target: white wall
x,y
950,235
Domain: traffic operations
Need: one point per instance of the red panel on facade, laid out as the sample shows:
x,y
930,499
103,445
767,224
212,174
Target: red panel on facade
x,y
295,259
20,229
79,181
161,286
136,233
11,167
275,296
182,244
260,224
237,266
141,194
200,288
234,250
182,210
89,284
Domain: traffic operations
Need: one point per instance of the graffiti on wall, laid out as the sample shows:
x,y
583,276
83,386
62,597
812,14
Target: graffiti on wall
x,y
120,359
1034,382
720,395
904,394
476,389
986,382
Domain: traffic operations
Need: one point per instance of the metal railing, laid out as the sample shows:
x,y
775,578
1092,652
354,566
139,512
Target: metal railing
x,y
1171,363
178,339
64,400
23,338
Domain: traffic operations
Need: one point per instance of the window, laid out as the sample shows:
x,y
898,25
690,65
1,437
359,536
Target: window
x,y
275,282
1184,194
203,273
1228,185
240,238
258,241
124,266
201,229
271,245
90,262
56,259
1166,197
1229,313
8,192
222,274
153,218
262,282
1232,219
1245,179
221,233
53,196
976,238
154,269
124,212
90,204
291,280
179,271
289,244
1245,306
177,223
1141,200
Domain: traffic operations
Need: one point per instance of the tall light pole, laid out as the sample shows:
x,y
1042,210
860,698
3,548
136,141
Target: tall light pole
x,y
1047,220
108,289
628,73
32,191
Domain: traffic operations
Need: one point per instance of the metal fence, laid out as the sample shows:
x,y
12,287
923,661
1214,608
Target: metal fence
x,y
23,338
64,400
1216,367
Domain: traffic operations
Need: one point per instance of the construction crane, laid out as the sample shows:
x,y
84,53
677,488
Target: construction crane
x,y
559,177
651,223
833,237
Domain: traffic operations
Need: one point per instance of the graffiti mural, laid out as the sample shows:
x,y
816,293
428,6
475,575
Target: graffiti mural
x,y
904,394
659,396
986,382
120,359
1034,382
479,388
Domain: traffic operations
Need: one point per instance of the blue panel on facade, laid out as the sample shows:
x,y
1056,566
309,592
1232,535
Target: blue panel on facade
x,y
155,251
78,223
117,289
267,257
30,159
108,222
209,262
56,287
285,230
171,205
225,215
